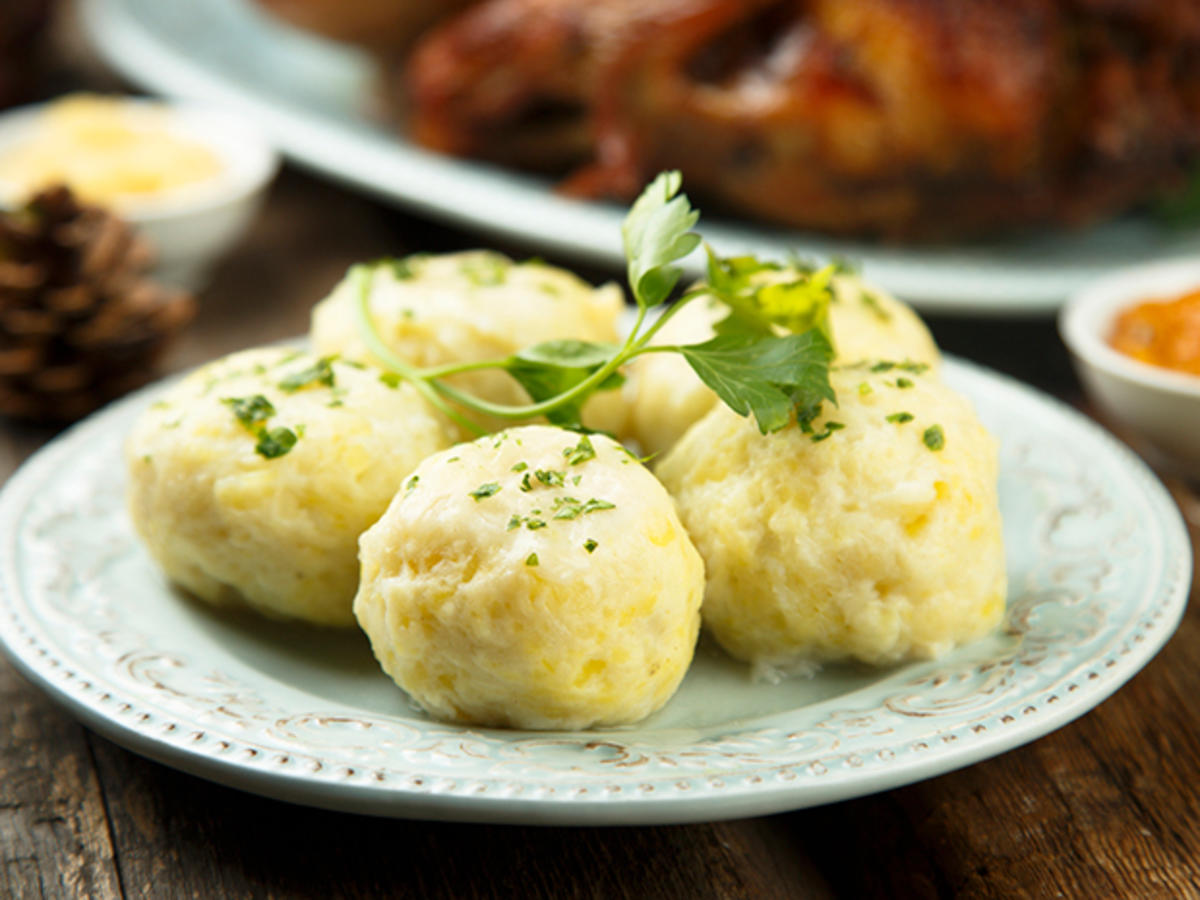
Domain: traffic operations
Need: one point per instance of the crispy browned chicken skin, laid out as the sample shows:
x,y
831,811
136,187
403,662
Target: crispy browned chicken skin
x,y
904,118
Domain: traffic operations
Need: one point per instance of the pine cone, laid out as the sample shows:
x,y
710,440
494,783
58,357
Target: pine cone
x,y
80,323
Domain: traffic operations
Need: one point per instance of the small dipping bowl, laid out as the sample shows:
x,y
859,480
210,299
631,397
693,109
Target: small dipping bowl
x,y
190,226
1160,406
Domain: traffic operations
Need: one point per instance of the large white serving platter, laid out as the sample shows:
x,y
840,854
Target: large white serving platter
x,y
1098,562
315,100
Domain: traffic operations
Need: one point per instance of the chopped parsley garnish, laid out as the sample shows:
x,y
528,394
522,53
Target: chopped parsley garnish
x,y
830,428
934,437
486,271
275,442
412,483
320,372
391,379
589,545
872,303
904,382
865,389
549,477
519,467
581,452
402,268
531,521
531,559
251,410
526,484
567,508
899,418
485,490
913,368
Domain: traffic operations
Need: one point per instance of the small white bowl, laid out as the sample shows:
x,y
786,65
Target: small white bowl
x,y
1159,405
190,227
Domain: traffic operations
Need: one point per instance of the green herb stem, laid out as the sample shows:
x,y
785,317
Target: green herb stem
x,y
456,368
365,277
501,411
428,382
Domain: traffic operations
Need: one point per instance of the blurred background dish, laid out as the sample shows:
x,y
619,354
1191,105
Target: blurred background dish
x,y
186,177
318,101
1160,405
910,121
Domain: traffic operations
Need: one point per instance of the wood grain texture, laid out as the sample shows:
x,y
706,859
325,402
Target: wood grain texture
x,y
205,840
54,838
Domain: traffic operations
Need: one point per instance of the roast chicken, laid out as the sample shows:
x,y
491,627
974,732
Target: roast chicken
x,y
896,118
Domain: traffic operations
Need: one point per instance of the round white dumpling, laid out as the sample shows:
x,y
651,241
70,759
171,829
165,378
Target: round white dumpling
x,y
875,537
468,307
868,324
251,480
535,578
663,397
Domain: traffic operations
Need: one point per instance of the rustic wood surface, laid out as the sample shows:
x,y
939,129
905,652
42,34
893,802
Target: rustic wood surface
x,y
1107,806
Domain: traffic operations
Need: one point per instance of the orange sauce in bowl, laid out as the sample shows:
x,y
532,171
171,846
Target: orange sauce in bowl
x,y
1164,333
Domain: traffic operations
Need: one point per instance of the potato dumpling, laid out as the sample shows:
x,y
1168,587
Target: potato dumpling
x,y
663,397
468,307
251,480
535,578
875,537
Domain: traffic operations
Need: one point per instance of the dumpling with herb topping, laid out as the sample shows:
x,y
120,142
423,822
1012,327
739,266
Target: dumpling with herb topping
x,y
872,534
468,307
663,397
535,578
251,480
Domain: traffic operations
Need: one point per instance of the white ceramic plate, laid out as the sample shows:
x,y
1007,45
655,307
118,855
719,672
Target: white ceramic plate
x,y
1099,568
314,99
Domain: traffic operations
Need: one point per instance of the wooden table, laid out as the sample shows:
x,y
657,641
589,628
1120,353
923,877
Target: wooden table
x,y
1105,807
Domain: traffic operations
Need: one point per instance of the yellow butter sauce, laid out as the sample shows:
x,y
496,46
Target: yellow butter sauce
x,y
109,151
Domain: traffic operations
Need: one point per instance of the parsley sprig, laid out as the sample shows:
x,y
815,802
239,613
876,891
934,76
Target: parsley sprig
x,y
753,367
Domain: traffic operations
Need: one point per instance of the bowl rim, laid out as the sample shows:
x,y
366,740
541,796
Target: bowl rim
x,y
249,160
1088,314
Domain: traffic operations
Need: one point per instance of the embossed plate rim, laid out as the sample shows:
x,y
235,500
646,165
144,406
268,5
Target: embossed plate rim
x,y
729,784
